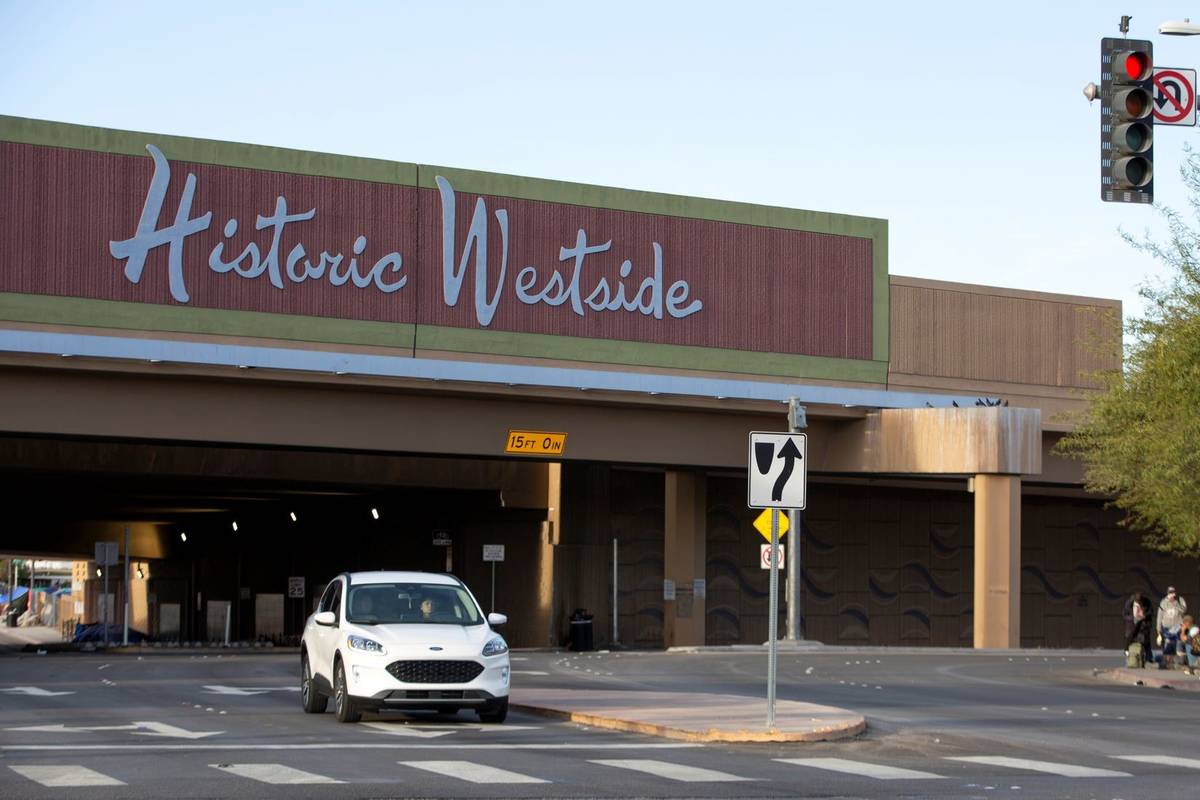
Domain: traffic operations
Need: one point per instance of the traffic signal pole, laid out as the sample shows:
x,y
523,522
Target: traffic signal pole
x,y
797,421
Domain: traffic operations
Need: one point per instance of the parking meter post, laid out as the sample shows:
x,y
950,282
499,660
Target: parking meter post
x,y
614,613
107,604
773,620
125,585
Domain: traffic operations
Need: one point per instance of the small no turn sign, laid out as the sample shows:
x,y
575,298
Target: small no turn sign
x,y
1174,96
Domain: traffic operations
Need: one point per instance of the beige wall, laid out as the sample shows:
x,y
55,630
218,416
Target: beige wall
x,y
1033,349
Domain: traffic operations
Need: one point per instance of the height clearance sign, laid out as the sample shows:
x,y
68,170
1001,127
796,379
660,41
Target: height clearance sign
x,y
778,470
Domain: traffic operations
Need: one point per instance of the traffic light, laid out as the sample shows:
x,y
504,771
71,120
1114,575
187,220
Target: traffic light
x,y
1126,120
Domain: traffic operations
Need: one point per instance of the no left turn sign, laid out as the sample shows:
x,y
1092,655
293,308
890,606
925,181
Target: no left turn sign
x,y
1174,96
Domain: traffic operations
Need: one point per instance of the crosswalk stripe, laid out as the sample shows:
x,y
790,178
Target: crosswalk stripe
x,y
470,771
862,768
665,769
1169,761
65,775
1066,770
273,773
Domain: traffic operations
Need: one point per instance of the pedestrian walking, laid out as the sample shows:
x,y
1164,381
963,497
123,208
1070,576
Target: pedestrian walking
x,y
1169,623
1138,630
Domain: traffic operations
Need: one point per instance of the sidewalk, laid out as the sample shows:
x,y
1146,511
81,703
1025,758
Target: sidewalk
x,y
1152,677
37,635
692,717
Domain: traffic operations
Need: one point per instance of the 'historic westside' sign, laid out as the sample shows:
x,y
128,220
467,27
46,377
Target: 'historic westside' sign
x,y
153,229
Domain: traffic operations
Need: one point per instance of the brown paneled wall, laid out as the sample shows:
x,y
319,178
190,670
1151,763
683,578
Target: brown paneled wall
x,y
881,565
956,331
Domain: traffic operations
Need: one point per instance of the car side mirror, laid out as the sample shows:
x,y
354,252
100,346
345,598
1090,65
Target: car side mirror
x,y
325,618
495,619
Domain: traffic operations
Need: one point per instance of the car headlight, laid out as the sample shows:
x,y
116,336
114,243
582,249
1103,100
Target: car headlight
x,y
365,644
496,646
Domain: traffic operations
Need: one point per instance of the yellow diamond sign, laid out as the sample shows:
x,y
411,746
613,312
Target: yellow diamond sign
x,y
762,523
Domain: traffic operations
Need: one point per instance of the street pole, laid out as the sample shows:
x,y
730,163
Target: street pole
x,y
773,620
32,596
125,583
797,421
614,636
493,611
107,600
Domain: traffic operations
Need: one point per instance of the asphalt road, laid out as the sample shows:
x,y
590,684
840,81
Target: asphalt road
x,y
956,724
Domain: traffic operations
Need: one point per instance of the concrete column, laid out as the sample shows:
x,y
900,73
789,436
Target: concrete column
x,y
546,562
997,561
684,556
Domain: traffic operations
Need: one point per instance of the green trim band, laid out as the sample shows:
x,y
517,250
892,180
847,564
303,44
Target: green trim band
x,y
670,356
206,151
52,310
116,315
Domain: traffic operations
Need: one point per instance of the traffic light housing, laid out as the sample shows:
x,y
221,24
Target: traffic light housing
x,y
1127,120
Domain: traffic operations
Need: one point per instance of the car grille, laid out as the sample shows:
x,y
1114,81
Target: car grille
x,y
435,671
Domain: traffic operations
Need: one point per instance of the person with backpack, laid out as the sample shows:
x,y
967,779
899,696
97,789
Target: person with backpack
x,y
1137,631
1169,623
1189,644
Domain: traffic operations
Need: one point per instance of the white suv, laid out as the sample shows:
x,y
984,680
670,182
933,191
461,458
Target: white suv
x,y
405,640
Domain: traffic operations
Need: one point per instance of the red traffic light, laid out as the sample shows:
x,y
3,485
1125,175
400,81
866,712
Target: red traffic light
x,y
1133,66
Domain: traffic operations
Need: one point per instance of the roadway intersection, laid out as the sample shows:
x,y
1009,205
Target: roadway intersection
x,y
941,724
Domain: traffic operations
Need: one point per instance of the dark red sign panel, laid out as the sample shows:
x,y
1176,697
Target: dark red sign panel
x,y
149,229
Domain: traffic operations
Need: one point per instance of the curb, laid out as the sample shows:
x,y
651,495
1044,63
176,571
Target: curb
x,y
1151,679
829,733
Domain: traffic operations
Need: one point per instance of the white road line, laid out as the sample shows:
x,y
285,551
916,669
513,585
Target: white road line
x,y
1054,768
65,775
470,771
273,773
862,768
1169,761
665,769
529,672
150,748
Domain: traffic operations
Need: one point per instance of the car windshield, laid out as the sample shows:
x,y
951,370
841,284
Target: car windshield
x,y
427,603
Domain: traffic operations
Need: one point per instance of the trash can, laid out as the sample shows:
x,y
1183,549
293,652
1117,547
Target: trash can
x,y
581,630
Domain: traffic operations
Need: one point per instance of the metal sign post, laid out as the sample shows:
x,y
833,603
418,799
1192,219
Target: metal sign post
x,y
615,600
773,621
493,553
777,478
797,421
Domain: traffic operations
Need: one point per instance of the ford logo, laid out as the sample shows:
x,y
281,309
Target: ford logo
x,y
435,648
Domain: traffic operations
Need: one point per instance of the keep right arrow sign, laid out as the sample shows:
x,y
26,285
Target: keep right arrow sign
x,y
777,468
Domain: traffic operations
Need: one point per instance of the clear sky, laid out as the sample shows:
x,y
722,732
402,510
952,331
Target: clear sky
x,y
962,124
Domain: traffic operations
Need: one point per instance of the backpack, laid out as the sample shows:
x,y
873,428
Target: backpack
x,y
1135,657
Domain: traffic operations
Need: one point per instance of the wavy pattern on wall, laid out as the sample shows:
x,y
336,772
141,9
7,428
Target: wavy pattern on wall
x,y
1049,587
813,541
724,524
858,614
918,615
727,615
1095,576
1150,584
724,565
879,592
937,590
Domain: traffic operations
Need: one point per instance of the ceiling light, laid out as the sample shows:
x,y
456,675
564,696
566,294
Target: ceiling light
x,y
375,513
292,514
235,526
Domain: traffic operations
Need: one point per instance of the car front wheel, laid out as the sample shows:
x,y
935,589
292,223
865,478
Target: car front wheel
x,y
495,714
343,706
313,701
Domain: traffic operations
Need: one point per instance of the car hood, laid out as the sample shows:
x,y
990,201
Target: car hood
x,y
420,639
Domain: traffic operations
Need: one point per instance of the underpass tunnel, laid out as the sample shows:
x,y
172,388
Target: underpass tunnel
x,y
214,556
